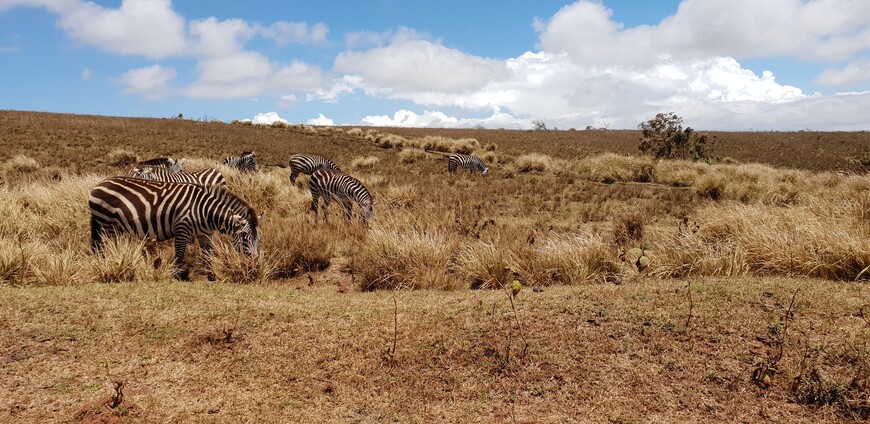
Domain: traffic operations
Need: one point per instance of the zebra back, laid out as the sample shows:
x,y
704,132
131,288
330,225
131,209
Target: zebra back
x,y
246,162
307,164
206,176
167,163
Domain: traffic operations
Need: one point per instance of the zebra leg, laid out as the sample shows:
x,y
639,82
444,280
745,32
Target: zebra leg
x,y
314,198
96,235
348,208
451,167
293,176
205,245
181,241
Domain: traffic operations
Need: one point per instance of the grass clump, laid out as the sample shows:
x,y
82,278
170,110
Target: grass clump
x,y
611,167
411,155
365,162
402,257
533,162
296,246
577,258
121,158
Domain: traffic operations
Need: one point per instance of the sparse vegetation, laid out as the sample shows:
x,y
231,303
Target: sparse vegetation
x,y
294,334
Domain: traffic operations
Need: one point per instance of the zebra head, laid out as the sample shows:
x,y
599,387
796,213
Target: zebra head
x,y
246,237
366,210
485,171
177,166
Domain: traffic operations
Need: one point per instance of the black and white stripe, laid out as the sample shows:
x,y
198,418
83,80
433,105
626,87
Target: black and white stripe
x,y
336,185
161,211
470,162
245,162
307,164
167,163
207,176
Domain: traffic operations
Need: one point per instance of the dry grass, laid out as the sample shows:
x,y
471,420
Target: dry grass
x,y
284,346
214,351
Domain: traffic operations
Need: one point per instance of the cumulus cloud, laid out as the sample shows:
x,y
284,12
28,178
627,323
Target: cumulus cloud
x,y
268,118
150,28
365,38
853,73
295,32
151,81
437,119
286,101
411,64
829,30
320,120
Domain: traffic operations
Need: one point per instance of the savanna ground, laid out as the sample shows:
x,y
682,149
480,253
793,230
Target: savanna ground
x,y
754,306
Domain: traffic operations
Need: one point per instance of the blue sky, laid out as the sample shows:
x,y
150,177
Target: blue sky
x,y
729,65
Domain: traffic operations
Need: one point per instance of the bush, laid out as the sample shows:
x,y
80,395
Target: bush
x,y
665,138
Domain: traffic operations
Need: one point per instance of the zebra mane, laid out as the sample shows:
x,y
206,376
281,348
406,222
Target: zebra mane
x,y
246,154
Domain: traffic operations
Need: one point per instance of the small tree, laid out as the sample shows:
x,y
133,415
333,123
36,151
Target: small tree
x,y
664,137
539,125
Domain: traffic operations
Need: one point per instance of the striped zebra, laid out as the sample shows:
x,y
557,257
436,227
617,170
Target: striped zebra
x,y
161,211
331,184
207,176
459,160
307,164
245,162
167,163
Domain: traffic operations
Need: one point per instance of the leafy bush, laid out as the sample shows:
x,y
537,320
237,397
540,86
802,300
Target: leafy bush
x,y
665,138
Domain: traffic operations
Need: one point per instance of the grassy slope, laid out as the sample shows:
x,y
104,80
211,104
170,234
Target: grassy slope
x,y
193,352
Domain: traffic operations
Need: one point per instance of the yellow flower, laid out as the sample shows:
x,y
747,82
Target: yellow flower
x,y
517,286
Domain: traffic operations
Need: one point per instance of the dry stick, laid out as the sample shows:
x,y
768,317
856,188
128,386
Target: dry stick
x,y
517,319
862,315
787,318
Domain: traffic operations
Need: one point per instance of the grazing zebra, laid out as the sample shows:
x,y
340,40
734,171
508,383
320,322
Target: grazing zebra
x,y
161,210
330,184
207,176
307,164
167,163
245,162
458,160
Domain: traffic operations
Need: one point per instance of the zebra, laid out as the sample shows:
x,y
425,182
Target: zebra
x,y
459,160
307,164
164,210
331,184
245,162
167,163
207,176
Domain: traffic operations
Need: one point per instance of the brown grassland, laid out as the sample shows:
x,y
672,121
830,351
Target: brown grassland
x,y
754,305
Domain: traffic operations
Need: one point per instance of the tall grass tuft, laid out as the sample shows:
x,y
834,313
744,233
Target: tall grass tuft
x,y
582,257
402,257
611,167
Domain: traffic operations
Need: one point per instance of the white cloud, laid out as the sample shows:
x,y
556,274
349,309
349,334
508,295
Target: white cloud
x,y
855,72
150,28
286,101
320,120
437,119
829,30
151,81
295,32
220,38
411,64
87,74
268,118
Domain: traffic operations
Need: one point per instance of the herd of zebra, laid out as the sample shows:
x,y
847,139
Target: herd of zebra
x,y
156,199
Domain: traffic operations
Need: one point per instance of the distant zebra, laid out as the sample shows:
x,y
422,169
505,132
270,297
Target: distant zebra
x,y
459,160
330,184
307,164
207,176
245,162
167,163
161,210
